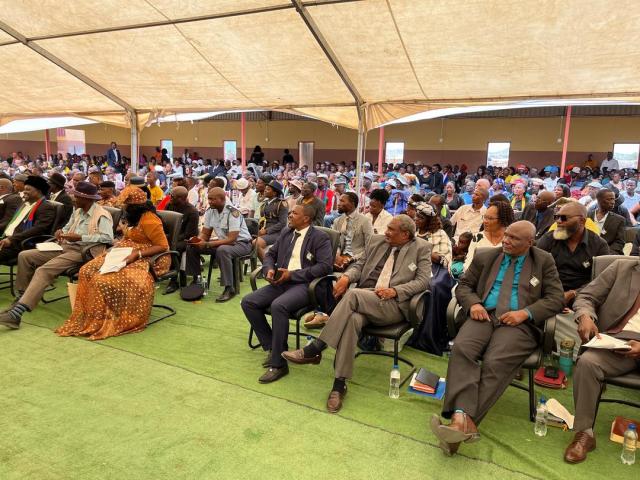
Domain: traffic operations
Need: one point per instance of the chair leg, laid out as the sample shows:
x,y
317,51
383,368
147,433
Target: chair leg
x,y
532,397
171,313
11,282
251,345
396,359
209,273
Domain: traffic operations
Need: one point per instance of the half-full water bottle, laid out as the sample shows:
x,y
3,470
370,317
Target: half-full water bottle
x,y
628,456
394,382
309,340
540,427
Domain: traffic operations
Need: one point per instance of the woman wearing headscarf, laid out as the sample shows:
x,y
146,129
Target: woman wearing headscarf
x,y
116,303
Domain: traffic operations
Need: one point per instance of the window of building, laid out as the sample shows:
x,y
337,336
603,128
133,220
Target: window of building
x,y
230,149
305,152
70,141
168,144
394,152
626,154
498,154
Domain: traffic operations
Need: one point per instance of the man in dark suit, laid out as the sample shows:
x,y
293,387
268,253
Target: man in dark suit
x,y
57,193
188,228
114,159
506,294
34,217
611,224
9,203
609,304
300,254
539,213
394,268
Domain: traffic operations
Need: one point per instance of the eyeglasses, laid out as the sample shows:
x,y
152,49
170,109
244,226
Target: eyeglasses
x,y
564,218
487,217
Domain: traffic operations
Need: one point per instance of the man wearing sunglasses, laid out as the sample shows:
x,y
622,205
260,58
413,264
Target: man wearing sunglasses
x,y
573,248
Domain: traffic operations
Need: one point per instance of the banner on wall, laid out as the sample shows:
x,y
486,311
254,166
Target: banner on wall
x,y
70,141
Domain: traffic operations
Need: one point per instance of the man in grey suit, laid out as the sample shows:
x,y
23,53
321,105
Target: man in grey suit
x,y
609,304
355,230
611,224
506,294
393,270
9,203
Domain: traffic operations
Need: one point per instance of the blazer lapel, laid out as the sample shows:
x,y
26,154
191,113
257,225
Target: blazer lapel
x,y
305,242
377,256
400,260
491,278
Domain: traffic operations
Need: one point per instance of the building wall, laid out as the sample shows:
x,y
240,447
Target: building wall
x,y
534,141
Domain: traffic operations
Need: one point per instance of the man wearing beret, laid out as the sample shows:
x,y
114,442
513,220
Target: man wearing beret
x,y
35,217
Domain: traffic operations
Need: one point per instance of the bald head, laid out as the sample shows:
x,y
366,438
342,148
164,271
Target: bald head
x,y
544,199
5,186
518,238
573,208
217,198
483,183
179,192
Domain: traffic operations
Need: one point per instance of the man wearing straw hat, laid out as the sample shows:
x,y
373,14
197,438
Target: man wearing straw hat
x,y
89,224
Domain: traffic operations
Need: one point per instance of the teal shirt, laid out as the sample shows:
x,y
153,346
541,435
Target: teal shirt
x,y
492,299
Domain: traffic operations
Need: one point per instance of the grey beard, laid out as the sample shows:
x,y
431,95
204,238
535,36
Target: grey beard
x,y
561,234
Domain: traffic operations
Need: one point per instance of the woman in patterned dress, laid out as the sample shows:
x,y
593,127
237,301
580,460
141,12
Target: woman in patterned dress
x,y
116,303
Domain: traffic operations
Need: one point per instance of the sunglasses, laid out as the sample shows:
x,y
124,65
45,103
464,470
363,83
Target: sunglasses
x,y
564,218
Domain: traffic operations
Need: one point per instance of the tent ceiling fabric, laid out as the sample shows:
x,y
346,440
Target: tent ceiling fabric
x,y
401,56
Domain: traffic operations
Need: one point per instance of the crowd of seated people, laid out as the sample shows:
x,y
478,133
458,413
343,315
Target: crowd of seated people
x,y
518,242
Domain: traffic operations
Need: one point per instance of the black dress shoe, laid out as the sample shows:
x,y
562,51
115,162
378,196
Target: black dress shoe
x,y
267,361
172,287
274,374
227,295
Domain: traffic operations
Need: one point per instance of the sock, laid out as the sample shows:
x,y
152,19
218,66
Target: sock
x,y
314,348
339,385
589,431
17,311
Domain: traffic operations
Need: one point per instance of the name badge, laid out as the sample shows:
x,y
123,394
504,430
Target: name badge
x,y
412,267
534,282
603,232
586,264
309,256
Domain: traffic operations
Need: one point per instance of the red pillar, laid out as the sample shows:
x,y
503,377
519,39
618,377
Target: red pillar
x,y
380,149
567,126
243,141
47,146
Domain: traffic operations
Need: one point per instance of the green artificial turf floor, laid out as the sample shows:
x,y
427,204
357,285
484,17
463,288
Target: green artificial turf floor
x,y
181,401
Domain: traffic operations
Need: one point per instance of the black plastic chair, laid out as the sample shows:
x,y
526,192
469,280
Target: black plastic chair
x,y
531,364
630,380
313,299
396,331
171,222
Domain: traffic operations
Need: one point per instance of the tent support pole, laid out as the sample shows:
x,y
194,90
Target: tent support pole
x,y
47,146
361,147
243,141
565,144
133,119
380,149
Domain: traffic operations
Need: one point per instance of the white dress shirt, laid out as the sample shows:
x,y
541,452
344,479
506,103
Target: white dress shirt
x,y
295,262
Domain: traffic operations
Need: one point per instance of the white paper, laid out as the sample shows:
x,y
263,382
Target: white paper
x,y
608,343
48,247
556,409
114,261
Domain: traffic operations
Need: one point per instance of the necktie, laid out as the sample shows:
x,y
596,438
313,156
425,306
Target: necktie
x,y
504,298
385,275
296,236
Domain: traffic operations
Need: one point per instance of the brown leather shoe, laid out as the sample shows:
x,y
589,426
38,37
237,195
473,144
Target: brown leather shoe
x,y
461,429
334,402
577,450
297,356
274,374
449,449
319,320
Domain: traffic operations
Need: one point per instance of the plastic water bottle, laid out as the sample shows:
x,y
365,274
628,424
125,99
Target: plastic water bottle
x,y
628,455
309,340
394,382
540,428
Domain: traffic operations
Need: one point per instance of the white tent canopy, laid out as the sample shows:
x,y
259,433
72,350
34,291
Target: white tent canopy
x,y
338,61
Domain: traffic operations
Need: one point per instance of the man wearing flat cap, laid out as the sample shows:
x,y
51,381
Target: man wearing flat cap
x,y
273,217
107,196
58,194
34,217
18,184
90,224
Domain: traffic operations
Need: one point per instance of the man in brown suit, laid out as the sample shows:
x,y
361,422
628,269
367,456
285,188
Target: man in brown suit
x,y
507,294
393,269
609,304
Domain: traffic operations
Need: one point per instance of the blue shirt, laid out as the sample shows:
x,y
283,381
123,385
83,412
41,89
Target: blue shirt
x,y
492,299
229,220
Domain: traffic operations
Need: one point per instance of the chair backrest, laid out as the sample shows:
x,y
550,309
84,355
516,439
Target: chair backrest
x,y
171,222
116,214
253,226
59,220
334,236
600,263
630,234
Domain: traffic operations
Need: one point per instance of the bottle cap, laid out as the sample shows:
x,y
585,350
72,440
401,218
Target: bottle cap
x,y
632,426
396,366
543,399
